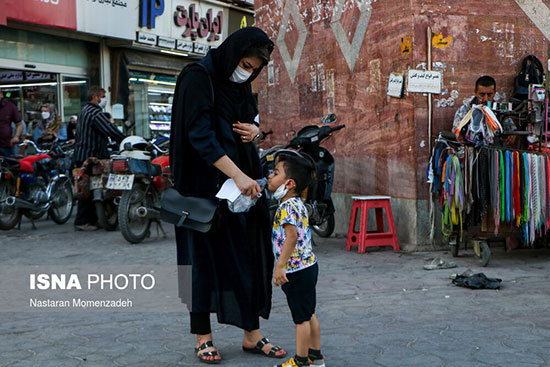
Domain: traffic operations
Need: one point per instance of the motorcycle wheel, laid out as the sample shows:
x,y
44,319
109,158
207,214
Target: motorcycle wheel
x,y
133,228
106,214
326,228
62,197
9,216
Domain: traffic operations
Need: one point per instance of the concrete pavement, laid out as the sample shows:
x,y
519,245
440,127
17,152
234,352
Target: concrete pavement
x,y
376,309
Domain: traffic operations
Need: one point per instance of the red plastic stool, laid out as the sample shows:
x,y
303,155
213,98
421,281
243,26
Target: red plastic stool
x,y
363,238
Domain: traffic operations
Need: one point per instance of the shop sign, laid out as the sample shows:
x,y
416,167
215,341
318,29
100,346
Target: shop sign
x,y
166,42
147,38
148,11
196,26
184,46
54,13
11,76
112,18
201,49
38,76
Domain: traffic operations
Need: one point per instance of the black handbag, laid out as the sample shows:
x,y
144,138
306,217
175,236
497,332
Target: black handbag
x,y
188,211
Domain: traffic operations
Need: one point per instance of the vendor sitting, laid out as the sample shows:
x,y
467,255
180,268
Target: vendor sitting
x,y
484,92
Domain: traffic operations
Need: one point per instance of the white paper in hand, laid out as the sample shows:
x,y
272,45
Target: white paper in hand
x,y
229,191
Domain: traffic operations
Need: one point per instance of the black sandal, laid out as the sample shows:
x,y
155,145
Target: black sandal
x,y
258,349
212,353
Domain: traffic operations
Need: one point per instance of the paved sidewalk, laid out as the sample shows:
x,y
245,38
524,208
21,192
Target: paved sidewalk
x,y
376,309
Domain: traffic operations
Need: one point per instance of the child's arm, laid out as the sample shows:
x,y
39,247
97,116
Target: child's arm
x,y
291,238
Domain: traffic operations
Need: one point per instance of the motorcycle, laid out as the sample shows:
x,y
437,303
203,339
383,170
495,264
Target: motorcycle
x,y
35,185
318,199
91,180
142,180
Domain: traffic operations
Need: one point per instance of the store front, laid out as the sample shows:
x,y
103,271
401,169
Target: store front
x,y
43,70
144,71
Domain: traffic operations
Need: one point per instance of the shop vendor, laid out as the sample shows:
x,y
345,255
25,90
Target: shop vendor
x,y
484,93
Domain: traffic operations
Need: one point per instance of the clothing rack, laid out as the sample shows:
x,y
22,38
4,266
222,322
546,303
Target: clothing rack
x,y
508,185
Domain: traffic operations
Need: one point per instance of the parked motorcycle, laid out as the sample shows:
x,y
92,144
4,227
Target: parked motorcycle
x,y
91,180
35,185
318,200
142,181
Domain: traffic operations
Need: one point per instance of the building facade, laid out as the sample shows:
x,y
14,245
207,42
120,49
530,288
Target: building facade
x,y
51,51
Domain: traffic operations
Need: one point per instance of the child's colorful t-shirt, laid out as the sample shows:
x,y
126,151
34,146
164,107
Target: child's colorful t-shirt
x,y
294,212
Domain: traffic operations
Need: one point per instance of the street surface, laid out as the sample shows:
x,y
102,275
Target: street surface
x,y
376,309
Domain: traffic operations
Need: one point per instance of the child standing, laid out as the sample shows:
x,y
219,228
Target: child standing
x,y
296,266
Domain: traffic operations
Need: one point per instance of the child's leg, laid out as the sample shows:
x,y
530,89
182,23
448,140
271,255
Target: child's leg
x,y
303,338
315,339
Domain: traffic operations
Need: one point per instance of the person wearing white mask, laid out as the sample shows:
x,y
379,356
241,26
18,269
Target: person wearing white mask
x,y
47,127
211,139
92,137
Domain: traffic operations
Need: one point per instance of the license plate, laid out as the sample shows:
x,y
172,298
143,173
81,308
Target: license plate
x,y
120,182
96,182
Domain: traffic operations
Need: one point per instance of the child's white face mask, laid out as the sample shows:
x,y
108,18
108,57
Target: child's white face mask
x,y
280,192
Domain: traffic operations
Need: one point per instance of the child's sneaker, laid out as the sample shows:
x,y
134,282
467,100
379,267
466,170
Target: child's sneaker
x,y
317,362
290,363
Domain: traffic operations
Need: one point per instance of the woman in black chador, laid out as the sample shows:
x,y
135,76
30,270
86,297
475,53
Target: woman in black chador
x,y
211,140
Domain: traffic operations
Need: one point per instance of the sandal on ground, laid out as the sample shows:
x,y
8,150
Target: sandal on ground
x,y
440,263
258,349
213,353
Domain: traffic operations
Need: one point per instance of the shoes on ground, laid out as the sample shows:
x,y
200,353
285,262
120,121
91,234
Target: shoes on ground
x,y
85,228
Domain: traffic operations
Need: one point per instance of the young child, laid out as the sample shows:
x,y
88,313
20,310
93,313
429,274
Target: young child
x,y
296,266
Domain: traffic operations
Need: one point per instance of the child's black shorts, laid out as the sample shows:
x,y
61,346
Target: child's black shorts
x,y
300,293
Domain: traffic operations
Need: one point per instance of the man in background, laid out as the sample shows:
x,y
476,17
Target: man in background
x,y
92,137
8,115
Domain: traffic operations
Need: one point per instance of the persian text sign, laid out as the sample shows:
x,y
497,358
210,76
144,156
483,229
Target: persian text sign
x,y
209,25
424,81
395,85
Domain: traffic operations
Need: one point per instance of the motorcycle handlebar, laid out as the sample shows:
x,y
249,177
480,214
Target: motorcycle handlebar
x,y
338,127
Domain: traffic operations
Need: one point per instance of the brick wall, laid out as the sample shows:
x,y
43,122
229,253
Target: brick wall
x,y
336,56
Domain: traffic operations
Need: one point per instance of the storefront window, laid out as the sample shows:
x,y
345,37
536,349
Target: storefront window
x,y
151,103
29,91
74,95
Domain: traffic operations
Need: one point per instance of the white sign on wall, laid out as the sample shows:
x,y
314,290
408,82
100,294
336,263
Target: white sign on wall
x,y
424,81
395,85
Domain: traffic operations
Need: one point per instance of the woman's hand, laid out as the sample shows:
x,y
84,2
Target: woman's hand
x,y
248,186
247,131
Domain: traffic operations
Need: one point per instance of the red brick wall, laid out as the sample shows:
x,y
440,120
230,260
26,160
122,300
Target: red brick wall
x,y
383,149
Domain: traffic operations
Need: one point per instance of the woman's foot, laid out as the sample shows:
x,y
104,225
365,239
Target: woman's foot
x,y
206,351
253,342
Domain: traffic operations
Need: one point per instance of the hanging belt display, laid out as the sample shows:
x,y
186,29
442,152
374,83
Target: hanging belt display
x,y
510,186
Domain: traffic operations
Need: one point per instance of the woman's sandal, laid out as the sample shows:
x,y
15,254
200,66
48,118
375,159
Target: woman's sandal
x,y
258,349
212,353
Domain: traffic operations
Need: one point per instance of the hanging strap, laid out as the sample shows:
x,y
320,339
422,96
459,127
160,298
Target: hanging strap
x,y
502,180
516,184
508,173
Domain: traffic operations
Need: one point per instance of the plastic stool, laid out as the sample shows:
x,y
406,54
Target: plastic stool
x,y
363,238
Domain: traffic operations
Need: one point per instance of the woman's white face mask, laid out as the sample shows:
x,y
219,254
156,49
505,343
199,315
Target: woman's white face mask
x,y
45,115
240,75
